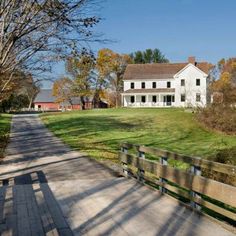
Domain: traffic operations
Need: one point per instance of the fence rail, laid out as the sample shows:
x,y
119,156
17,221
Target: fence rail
x,y
188,184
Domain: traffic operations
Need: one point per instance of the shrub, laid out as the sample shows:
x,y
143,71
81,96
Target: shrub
x,y
219,117
225,156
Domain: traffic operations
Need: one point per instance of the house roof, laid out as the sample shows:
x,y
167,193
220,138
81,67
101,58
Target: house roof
x,y
162,90
45,95
159,70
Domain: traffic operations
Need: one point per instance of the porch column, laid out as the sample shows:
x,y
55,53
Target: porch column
x,y
150,100
135,99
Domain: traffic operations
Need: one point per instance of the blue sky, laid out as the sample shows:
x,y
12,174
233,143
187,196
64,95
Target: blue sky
x,y
179,28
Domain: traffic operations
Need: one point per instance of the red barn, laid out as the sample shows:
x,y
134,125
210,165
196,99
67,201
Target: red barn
x,y
44,101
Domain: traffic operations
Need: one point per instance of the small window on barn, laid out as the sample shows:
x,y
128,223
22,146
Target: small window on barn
x,y
132,85
154,99
154,84
198,97
168,84
143,85
182,82
182,97
143,99
198,82
132,99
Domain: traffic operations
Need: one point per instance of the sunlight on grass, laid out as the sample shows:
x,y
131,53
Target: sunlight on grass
x,y
5,120
99,132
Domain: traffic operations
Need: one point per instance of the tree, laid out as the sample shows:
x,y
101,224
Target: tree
x,y
30,88
34,33
112,65
225,86
63,90
158,57
16,82
221,114
148,56
14,102
137,57
80,66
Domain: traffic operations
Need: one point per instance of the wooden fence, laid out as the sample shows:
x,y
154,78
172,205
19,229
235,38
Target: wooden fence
x,y
187,184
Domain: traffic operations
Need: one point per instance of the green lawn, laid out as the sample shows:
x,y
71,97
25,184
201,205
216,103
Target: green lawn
x,y
99,132
5,120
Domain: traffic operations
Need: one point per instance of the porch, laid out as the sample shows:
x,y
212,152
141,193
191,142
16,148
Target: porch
x,y
148,100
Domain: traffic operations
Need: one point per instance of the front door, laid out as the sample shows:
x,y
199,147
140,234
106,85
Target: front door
x,y
168,100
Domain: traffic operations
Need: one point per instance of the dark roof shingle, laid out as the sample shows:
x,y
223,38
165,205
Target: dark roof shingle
x,y
45,95
158,70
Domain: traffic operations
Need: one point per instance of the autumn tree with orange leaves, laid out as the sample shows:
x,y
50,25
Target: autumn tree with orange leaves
x,y
224,89
221,113
111,66
81,70
62,91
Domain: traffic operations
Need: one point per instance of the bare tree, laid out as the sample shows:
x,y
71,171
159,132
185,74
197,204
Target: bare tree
x,y
30,88
35,32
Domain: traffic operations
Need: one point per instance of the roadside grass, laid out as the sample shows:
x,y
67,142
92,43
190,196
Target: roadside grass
x,y
99,132
5,123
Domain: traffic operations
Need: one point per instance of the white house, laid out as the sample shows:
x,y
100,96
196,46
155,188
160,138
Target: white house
x,y
166,84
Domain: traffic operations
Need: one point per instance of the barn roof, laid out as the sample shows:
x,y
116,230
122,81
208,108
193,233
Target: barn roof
x,y
159,70
45,95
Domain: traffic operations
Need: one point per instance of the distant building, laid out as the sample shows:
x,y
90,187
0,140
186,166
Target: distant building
x,y
166,84
45,101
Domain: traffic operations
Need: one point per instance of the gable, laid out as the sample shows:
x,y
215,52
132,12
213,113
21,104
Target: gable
x,y
190,68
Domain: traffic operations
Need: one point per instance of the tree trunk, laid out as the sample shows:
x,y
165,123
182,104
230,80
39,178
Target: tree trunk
x,y
96,100
30,103
82,102
116,101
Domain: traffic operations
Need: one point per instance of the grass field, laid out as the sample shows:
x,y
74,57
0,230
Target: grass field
x,y
99,132
5,120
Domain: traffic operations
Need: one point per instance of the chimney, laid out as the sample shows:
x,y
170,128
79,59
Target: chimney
x,y
192,60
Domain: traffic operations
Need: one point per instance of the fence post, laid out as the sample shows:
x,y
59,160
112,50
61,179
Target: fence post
x,y
141,172
124,165
195,170
163,161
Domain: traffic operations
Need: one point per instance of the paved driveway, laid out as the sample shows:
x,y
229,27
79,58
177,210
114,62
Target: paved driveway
x,y
47,189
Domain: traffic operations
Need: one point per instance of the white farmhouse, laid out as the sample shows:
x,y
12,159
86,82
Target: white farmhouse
x,y
166,84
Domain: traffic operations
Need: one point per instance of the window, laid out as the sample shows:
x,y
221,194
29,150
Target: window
x,y
132,85
154,84
132,99
143,85
154,99
182,97
182,82
198,97
173,98
198,82
168,84
143,99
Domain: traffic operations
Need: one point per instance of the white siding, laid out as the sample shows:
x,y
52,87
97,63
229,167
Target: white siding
x,y
148,83
190,73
